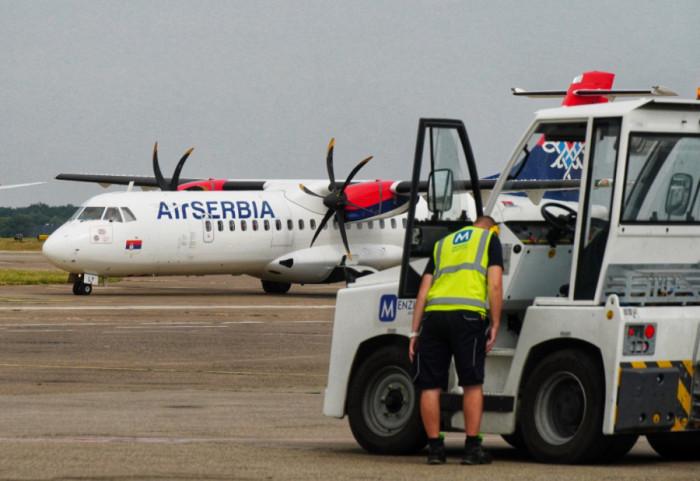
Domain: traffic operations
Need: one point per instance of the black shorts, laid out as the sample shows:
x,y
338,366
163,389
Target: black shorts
x,y
444,334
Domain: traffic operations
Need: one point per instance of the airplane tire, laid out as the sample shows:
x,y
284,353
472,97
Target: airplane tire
x,y
684,446
561,414
272,287
384,406
82,289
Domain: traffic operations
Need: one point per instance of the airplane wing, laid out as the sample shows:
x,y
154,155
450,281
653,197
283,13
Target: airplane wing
x,y
146,182
19,185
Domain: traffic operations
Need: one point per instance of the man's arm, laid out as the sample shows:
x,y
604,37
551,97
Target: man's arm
x,y
495,281
418,311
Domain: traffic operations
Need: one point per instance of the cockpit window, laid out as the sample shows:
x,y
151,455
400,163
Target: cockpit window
x,y
128,215
91,213
76,213
112,215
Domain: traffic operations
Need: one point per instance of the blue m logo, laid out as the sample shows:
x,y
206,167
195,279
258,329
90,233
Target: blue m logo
x,y
387,308
461,237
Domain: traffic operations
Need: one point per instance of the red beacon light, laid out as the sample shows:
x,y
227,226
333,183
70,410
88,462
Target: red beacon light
x,y
649,331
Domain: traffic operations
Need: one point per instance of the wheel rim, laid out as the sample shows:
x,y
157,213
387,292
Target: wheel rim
x,y
388,403
560,408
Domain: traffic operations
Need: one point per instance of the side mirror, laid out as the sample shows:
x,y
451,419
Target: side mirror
x,y
440,190
678,194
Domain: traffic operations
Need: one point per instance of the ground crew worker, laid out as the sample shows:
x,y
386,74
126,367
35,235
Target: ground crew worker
x,y
450,319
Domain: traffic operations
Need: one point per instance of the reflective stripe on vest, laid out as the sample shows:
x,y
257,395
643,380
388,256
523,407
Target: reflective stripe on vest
x,y
461,285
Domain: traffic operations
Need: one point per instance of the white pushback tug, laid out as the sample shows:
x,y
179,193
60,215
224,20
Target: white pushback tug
x,y
599,339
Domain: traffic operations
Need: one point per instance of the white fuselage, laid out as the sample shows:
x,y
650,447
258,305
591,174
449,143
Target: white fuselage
x,y
266,234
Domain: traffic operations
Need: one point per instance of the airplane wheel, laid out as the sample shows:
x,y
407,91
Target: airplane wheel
x,y
561,415
82,289
384,406
272,287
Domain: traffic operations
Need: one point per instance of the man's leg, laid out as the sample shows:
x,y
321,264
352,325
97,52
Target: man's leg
x,y
430,412
473,406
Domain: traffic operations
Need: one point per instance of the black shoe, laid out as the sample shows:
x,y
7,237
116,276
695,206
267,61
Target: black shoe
x,y
476,455
436,451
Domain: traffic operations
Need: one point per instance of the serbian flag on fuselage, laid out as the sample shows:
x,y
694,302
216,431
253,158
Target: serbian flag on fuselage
x,y
133,245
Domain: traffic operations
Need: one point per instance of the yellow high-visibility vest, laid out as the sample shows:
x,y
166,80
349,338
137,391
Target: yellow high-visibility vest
x,y
461,263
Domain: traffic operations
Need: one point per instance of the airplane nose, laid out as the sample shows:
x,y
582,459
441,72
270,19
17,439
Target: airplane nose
x,y
58,249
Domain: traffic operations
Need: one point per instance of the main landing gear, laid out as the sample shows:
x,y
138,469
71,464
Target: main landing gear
x,y
82,289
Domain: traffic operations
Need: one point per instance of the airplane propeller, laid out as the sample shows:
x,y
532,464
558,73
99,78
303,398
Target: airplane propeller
x,y
163,183
337,200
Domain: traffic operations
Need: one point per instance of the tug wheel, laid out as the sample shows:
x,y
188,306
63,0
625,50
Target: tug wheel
x,y
384,406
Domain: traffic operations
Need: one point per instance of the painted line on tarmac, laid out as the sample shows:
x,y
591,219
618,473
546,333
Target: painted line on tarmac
x,y
160,307
162,370
147,440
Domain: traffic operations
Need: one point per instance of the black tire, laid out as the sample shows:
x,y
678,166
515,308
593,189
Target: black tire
x,y
561,415
384,406
82,289
683,446
272,287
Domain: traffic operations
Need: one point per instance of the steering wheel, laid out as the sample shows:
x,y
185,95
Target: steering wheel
x,y
563,222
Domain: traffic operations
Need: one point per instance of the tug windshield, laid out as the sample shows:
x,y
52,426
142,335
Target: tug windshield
x,y
662,179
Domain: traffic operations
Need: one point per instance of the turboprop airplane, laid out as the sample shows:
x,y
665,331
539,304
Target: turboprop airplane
x,y
279,230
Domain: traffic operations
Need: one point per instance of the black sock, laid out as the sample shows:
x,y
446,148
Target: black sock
x,y
435,443
472,441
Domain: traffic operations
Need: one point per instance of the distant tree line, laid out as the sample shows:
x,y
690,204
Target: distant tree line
x,y
33,220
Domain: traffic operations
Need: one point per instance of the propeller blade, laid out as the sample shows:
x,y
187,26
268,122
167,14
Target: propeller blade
x,y
176,175
340,217
329,164
156,170
323,223
353,172
310,192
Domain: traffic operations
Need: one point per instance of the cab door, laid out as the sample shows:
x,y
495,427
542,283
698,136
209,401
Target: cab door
x,y
444,171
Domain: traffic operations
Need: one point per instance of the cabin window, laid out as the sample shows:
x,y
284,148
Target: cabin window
x,y
290,224
207,225
359,226
128,215
266,224
244,225
91,213
370,224
220,225
382,224
112,215
232,225
393,223
278,224
312,223
403,222
301,224
255,224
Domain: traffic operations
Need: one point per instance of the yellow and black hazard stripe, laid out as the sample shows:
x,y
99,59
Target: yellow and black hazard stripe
x,y
683,403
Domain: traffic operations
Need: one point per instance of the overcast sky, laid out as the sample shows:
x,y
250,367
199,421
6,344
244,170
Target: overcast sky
x,y
258,88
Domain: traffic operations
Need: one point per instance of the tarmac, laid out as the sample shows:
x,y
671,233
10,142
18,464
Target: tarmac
x,y
203,378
